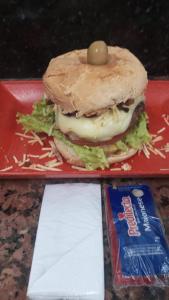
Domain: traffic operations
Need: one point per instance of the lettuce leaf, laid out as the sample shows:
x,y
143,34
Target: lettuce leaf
x,y
139,135
42,119
93,157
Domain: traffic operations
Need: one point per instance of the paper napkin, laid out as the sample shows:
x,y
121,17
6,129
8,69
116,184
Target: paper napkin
x,y
68,255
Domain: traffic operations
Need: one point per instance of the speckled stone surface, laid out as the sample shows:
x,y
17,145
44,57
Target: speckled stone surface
x,y
20,203
32,32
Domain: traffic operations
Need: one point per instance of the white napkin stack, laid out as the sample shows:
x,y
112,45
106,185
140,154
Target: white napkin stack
x,y
68,255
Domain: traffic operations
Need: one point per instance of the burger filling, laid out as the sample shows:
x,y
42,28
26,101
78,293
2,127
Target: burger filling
x,y
114,121
112,139
92,138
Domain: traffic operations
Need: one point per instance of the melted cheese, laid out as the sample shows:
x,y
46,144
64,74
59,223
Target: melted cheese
x,y
101,128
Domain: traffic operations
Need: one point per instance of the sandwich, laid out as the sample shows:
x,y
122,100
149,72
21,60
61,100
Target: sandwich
x,y
93,106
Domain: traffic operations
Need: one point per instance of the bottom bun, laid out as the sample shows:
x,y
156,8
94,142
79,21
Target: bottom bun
x,y
72,158
122,156
68,153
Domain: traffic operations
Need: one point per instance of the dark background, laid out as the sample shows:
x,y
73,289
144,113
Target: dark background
x,y
32,32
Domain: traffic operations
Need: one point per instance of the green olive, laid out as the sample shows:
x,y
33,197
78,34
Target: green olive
x,y
97,53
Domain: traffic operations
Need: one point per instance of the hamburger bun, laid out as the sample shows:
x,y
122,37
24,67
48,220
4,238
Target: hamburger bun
x,y
79,87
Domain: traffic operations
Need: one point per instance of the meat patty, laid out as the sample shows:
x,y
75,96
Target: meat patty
x,y
96,113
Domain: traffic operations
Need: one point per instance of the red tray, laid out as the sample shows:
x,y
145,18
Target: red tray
x,y
19,95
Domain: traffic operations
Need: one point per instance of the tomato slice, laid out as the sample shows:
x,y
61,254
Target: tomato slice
x,y
83,142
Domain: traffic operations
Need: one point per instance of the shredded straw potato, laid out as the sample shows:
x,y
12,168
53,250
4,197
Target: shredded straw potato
x,y
165,148
115,169
145,151
79,168
166,119
46,148
157,139
126,167
161,130
44,155
15,159
26,136
33,155
34,138
39,167
6,169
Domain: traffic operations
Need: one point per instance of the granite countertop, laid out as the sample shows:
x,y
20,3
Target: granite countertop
x,y
20,202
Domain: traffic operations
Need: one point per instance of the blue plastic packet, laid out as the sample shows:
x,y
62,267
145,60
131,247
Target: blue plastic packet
x,y
139,249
